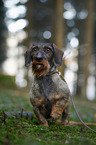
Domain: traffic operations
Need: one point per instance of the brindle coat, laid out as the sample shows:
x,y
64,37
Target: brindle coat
x,y
49,95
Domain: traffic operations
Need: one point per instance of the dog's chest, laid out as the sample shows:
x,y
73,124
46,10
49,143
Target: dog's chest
x,y
44,86
48,88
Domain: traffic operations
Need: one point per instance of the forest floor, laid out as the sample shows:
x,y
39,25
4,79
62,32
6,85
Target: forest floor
x,y
18,124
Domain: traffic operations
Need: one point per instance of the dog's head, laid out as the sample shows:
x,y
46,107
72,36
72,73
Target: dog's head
x,y
43,57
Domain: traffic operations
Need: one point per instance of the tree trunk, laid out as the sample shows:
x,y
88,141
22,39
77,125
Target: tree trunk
x,y
59,28
30,20
89,40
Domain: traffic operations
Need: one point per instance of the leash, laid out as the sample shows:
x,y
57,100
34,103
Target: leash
x,y
74,104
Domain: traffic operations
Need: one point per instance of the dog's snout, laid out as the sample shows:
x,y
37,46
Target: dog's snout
x,y
39,57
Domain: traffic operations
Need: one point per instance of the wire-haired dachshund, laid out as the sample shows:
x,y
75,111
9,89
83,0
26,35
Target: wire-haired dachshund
x,y
49,95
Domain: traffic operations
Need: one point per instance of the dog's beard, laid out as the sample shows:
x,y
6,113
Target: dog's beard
x,y
40,68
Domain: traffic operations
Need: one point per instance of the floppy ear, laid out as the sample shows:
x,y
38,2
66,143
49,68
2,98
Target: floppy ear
x,y
58,55
27,58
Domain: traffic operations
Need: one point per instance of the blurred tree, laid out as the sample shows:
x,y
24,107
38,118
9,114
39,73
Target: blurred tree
x,y
95,56
89,40
60,28
3,32
80,6
30,20
94,51
39,15
53,21
59,23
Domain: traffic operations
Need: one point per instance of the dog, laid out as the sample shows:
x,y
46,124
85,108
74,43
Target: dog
x,y
49,94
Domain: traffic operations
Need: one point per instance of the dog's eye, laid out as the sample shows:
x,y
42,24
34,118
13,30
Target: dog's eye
x,y
35,49
47,49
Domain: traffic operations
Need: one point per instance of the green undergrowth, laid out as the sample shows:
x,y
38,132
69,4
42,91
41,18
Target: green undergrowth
x,y
25,130
7,81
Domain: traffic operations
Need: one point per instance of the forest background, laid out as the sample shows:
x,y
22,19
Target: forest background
x,y
71,25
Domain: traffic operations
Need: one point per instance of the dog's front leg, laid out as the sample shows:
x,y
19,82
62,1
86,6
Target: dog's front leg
x,y
40,117
58,108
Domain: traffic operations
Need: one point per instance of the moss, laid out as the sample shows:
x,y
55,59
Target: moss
x,y
25,131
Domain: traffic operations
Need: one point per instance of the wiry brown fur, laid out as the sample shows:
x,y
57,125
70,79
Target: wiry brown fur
x,y
43,68
49,95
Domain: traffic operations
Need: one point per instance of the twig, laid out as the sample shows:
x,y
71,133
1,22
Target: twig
x,y
20,116
4,117
79,123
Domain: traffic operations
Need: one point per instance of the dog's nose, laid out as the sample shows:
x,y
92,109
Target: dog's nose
x,y
39,57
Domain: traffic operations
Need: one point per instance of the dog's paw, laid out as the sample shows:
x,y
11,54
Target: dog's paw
x,y
62,122
45,124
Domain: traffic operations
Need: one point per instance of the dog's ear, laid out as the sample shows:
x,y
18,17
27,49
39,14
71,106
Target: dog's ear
x,y
58,55
27,58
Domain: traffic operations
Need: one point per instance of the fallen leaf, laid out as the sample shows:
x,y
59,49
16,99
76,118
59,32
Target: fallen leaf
x,y
37,139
